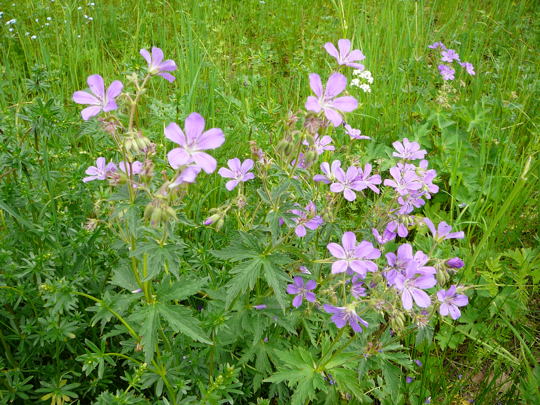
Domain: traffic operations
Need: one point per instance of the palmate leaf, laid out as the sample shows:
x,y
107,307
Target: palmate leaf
x,y
180,289
275,276
148,318
246,275
180,320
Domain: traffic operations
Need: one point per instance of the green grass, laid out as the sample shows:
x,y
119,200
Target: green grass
x,y
243,65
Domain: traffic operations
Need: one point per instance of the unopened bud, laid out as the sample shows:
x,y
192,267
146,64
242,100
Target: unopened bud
x,y
455,263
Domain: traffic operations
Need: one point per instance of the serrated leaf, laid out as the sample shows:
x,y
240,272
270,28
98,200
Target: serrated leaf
x,y
180,289
180,320
148,318
276,278
391,377
246,275
123,277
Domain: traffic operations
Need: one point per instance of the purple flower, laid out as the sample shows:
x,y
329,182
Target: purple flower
x,y
443,231
301,291
156,66
188,175
405,181
408,150
357,288
450,301
447,72
345,56
329,172
400,223
259,307
386,237
321,144
455,263
409,380
411,286
345,182
418,363
404,262
352,256
132,168
355,133
98,99
449,55
326,100
238,172
427,177
345,315
468,67
306,219
365,180
100,171
193,143
304,270
436,45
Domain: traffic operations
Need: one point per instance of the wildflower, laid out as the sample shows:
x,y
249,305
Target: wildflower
x,y
365,88
238,172
345,315
364,74
418,363
301,290
345,56
345,182
329,172
188,175
468,67
354,133
352,256
326,100
449,55
306,219
408,150
412,287
12,21
304,270
404,261
455,263
443,231
259,307
365,180
436,45
156,66
321,144
400,223
100,171
98,99
409,380
447,72
193,143
405,181
450,301
386,237
132,167
357,288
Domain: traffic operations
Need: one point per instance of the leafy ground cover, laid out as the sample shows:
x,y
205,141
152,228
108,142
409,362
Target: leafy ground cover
x,y
142,285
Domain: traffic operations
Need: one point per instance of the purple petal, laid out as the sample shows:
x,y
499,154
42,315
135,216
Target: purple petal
x,y
167,66
194,126
247,165
300,231
175,134
406,299
95,82
349,195
312,104
146,55
316,85
461,300
83,97
114,89
224,172
157,56
455,313
231,184
421,298
178,157
425,282
349,240
356,55
167,76
335,85
344,46
336,250
346,103
339,267
89,112
311,285
331,49
211,139
297,301
310,296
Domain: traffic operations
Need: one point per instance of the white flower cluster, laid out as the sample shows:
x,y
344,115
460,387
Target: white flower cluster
x,y
363,79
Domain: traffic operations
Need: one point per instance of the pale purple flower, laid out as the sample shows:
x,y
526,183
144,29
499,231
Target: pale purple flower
x,y
436,45
386,237
408,150
449,55
98,98
307,218
345,182
427,177
412,285
193,143
259,307
357,287
100,171
132,168
354,133
409,380
304,270
447,72
450,301
329,175
326,100
399,262
188,175
405,181
345,56
156,65
443,231
352,256
455,263
364,179
321,144
237,171
400,223
418,363
345,315
301,290
468,67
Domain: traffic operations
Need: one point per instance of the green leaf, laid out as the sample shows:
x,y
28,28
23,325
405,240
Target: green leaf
x,y
180,320
181,289
275,277
124,277
391,375
148,318
246,275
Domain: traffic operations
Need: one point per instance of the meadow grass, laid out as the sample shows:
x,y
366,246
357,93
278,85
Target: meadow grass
x,y
244,65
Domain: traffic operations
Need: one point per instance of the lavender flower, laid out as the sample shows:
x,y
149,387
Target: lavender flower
x,y
351,256
326,100
131,168
238,172
408,150
306,219
468,67
357,288
450,301
455,263
405,180
193,143
329,172
98,99
301,291
443,231
156,66
345,182
345,56
188,175
259,307
412,287
321,144
365,180
354,133
449,55
386,237
345,315
447,72
100,171
436,45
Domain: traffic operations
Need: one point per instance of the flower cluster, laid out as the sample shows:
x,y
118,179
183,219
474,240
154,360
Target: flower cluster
x,y
363,80
448,56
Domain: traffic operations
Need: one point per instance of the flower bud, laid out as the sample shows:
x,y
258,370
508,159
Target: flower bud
x,y
211,219
455,263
